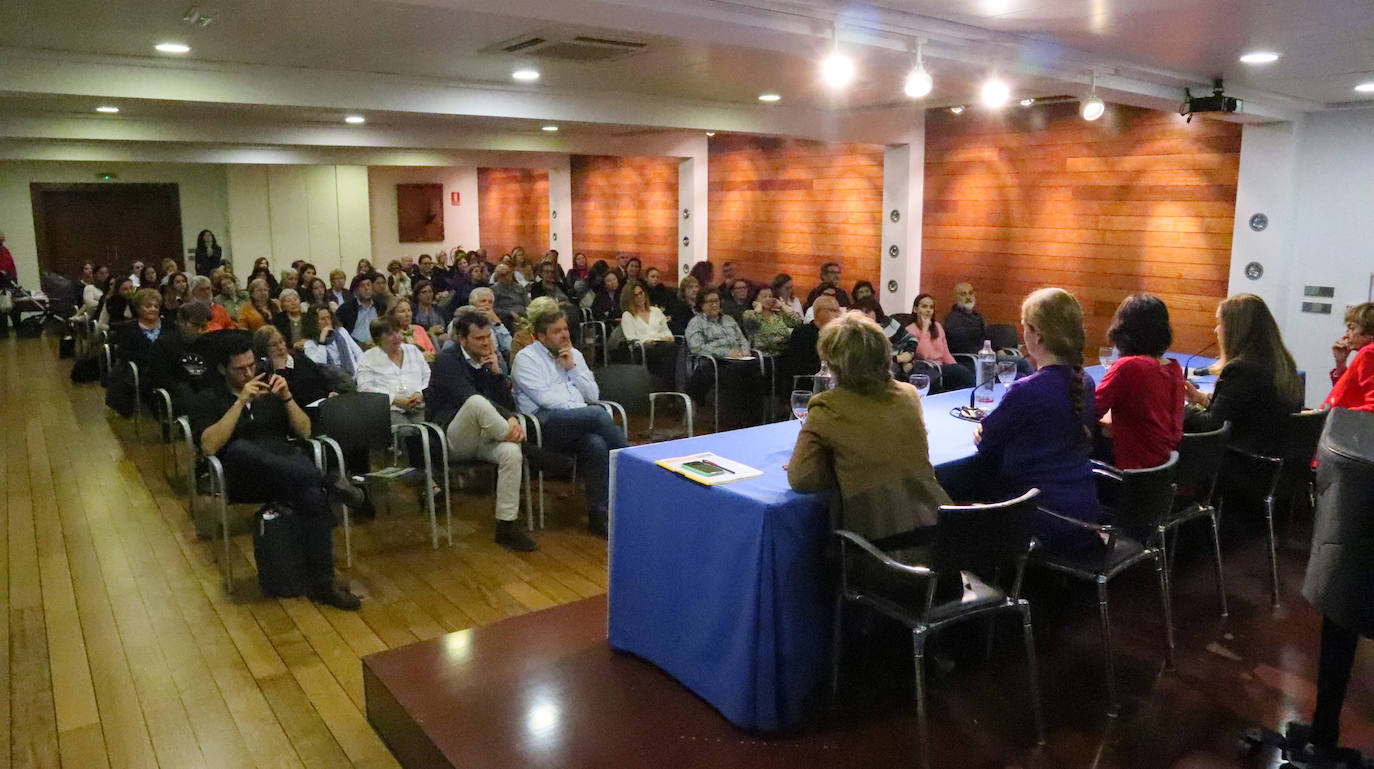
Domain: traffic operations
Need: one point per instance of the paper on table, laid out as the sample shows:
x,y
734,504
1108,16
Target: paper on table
x,y
709,469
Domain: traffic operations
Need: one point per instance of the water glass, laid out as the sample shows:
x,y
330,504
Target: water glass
x,y
921,382
1106,356
801,400
1006,372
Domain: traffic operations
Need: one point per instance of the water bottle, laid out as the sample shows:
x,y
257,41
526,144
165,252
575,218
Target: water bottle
x,y
824,379
987,375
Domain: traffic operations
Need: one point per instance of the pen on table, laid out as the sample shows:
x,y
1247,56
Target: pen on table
x,y
719,467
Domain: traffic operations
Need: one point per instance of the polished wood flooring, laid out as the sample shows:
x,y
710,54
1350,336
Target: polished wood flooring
x,y
124,649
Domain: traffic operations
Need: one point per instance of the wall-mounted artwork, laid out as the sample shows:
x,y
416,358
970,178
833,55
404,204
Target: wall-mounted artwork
x,y
420,212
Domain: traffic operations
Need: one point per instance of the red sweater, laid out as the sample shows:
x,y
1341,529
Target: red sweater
x,y
1355,388
1146,401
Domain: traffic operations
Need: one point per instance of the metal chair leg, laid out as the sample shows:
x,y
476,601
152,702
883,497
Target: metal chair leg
x,y
1163,574
1273,552
836,634
1033,673
1113,707
1216,552
922,732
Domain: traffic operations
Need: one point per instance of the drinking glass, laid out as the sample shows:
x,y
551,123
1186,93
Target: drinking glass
x,y
800,403
1106,356
1006,372
921,382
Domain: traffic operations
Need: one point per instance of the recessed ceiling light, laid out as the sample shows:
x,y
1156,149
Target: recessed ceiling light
x,y
1027,102
957,110
710,133
525,74
107,110
995,93
1259,57
1365,87
550,128
355,119
172,48
837,70
770,97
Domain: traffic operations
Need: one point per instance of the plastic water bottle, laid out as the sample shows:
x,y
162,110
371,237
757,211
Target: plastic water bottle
x,y
987,374
824,379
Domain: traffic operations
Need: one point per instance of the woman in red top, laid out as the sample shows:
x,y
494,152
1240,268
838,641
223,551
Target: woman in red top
x,y
1143,390
1354,384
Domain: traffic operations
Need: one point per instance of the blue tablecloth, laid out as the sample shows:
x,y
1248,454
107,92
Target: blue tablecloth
x,y
722,586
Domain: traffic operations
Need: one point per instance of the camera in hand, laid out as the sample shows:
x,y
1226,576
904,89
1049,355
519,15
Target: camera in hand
x,y
263,366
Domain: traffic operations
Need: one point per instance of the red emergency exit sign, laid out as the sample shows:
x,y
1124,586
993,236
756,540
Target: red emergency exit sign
x,y
453,198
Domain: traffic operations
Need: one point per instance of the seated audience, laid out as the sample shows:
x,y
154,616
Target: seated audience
x,y
364,268
315,294
136,274
426,269
356,315
1143,390
511,297
424,310
484,301
229,297
330,346
965,328
246,420
264,273
338,289
307,381
259,309
202,291
861,290
830,279
182,360
575,282
549,285
148,277
800,358
290,320
289,279
705,274
381,290
605,304
642,322
95,291
306,273
476,278
1354,383
660,296
845,444
767,324
397,280
1039,436
117,306
134,339
714,334
553,383
736,297
411,333
176,291
829,291
787,297
523,336
1259,384
633,270
683,307
399,371
932,345
471,397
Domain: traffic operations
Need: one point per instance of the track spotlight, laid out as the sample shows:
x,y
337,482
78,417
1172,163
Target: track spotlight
x,y
919,82
958,110
1092,107
995,93
837,70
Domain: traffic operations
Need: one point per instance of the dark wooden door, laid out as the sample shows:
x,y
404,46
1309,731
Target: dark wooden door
x,y
109,224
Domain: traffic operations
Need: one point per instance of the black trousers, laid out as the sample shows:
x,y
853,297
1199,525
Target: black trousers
x,y
268,472
1333,676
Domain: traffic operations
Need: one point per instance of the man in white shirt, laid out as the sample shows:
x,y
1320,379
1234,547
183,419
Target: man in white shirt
x,y
553,383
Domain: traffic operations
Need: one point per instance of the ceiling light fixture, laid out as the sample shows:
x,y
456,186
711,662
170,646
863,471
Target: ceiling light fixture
x,y
995,93
355,120
709,134
837,70
959,110
526,75
919,82
107,110
1259,57
177,48
1027,102
1365,87
1092,107
550,128
769,97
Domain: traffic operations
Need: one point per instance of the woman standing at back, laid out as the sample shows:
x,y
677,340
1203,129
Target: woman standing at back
x,y
1038,437
1143,389
1259,383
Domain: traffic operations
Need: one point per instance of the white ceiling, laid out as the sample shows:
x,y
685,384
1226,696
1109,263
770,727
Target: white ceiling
x,y
310,61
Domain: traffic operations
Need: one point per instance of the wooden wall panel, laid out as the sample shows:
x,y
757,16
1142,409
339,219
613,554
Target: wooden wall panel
x,y
513,210
625,204
1137,201
782,205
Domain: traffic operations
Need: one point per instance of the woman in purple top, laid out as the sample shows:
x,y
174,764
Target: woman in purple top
x,y
1039,437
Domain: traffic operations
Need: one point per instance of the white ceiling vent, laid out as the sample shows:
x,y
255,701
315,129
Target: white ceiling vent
x,y
569,46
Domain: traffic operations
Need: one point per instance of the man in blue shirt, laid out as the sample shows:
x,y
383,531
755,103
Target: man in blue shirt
x,y
553,383
356,315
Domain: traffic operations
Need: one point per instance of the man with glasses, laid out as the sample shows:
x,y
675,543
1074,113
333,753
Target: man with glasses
x,y
830,279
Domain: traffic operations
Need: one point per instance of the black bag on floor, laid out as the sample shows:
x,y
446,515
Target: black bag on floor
x,y
86,370
66,347
276,547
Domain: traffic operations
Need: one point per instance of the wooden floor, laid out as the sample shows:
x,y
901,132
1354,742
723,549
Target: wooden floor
x,y
124,649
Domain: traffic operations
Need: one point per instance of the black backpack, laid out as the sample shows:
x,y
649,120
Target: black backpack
x,y
277,549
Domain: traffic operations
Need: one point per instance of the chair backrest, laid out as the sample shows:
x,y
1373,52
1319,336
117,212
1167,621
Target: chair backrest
x,y
357,420
1301,432
1200,456
1145,498
627,384
930,369
983,538
1003,336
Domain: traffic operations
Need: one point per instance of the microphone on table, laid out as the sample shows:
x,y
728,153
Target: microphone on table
x,y
973,394
1187,372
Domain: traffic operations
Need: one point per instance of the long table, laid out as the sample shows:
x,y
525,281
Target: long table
x,y
722,586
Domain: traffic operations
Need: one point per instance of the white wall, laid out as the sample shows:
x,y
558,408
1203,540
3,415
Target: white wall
x,y
289,212
201,188
1324,236
460,221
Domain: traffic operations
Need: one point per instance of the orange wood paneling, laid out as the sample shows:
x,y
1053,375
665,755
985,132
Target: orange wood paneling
x,y
625,204
782,205
513,210
1137,201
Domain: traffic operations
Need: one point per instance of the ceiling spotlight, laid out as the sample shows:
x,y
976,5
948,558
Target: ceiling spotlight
x,y
1092,107
959,110
1259,57
172,48
995,93
837,70
769,97
1027,102
710,134
107,110
525,74
919,82
355,120
550,128
1365,87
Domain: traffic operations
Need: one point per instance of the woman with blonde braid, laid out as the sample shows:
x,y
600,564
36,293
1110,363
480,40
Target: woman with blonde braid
x,y
1039,436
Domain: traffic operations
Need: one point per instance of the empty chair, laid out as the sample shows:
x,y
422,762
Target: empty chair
x,y
1004,338
631,386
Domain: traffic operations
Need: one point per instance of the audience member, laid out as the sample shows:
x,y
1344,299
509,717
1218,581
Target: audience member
x,y
1354,383
306,273
576,279
845,443
800,358
117,306
315,294
169,268
356,315
633,269
228,295
484,301
471,397
606,301
965,328
330,346
209,255
290,319
523,336
263,269
705,273
136,273
182,359
148,278
397,280
716,335
364,268
767,325
736,298
411,332
862,289
932,345
426,312
553,383
829,291
246,420
1143,390
95,291
786,294
660,296
175,293
830,279
202,291
511,297
259,309
1039,436
621,260
683,307
289,279
307,381
642,322
381,290
399,371
339,293
134,339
